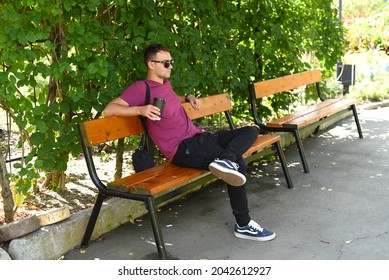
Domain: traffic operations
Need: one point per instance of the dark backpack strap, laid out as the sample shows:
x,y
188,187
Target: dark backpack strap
x,y
147,97
147,101
146,142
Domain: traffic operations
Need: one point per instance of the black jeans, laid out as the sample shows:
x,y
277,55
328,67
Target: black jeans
x,y
199,151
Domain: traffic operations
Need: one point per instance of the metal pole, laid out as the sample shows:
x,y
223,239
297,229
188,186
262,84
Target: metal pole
x,y
340,10
340,64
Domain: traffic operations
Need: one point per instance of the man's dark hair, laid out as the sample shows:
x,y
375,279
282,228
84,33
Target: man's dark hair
x,y
152,50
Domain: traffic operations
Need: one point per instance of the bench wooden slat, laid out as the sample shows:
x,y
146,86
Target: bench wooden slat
x,y
210,105
289,118
155,180
145,175
321,113
111,128
263,141
282,84
169,180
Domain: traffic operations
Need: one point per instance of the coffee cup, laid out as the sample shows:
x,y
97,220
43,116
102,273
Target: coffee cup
x,y
160,103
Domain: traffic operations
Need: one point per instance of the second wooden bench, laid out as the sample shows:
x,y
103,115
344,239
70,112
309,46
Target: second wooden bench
x,y
296,121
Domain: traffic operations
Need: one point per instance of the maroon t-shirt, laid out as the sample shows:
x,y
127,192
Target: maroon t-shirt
x,y
174,126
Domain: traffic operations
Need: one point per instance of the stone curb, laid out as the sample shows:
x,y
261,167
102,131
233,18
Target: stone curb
x,y
19,228
52,242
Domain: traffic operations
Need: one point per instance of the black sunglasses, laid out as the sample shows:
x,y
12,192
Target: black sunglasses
x,y
166,63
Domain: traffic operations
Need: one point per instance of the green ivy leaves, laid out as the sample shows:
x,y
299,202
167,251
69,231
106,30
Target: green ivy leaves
x,y
63,61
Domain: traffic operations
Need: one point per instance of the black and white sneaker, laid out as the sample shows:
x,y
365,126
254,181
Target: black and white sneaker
x,y
227,171
253,231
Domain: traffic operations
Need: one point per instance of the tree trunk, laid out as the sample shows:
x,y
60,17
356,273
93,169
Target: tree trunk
x,y
119,159
55,180
6,192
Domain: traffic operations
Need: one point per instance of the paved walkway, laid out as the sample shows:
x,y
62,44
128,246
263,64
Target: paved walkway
x,y
336,212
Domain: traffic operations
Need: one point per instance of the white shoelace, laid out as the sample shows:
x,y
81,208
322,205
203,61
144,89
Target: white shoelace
x,y
255,225
235,165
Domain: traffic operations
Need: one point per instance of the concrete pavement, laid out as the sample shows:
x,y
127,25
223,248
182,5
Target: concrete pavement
x,y
336,212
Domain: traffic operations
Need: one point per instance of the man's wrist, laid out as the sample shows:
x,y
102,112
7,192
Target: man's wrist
x,y
187,97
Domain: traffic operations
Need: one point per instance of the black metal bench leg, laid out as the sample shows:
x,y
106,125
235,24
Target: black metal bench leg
x,y
301,150
156,229
284,165
92,220
357,121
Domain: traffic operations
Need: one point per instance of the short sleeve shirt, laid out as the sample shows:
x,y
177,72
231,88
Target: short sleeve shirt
x,y
174,126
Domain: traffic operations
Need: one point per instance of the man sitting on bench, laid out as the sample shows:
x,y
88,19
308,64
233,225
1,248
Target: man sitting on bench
x,y
187,145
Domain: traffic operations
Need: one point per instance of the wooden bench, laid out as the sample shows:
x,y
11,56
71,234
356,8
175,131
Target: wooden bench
x,y
164,181
295,121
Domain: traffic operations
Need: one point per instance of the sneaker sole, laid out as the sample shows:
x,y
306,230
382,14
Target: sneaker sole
x,y
232,178
265,238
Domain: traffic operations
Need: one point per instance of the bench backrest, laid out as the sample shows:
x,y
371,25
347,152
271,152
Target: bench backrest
x,y
101,130
282,84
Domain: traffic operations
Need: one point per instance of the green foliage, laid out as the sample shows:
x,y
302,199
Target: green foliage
x,y
372,74
367,25
362,8
63,61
